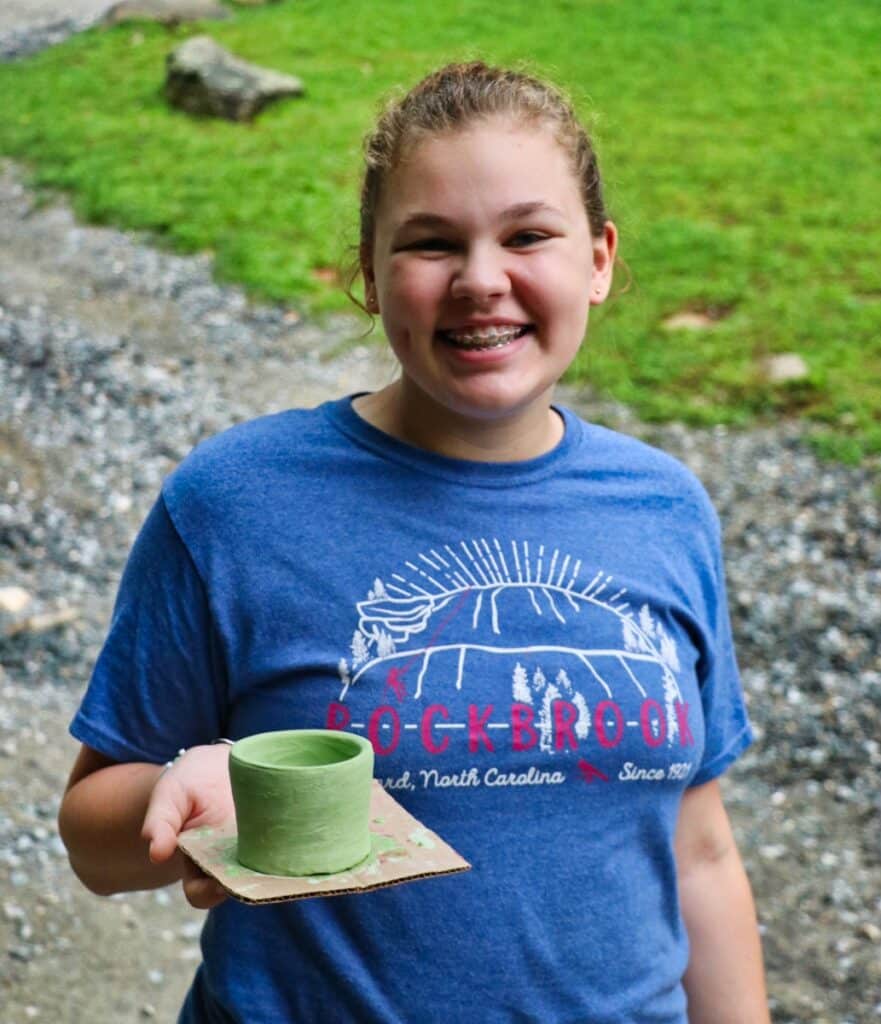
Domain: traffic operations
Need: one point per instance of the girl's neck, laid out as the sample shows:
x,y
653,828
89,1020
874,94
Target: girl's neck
x,y
406,413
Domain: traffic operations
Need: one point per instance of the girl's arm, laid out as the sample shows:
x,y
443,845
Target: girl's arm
x,y
725,979
120,822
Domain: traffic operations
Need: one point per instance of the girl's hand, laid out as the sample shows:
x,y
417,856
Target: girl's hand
x,y
193,792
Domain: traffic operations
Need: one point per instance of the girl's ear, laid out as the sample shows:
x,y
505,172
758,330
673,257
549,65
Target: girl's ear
x,y
370,300
604,249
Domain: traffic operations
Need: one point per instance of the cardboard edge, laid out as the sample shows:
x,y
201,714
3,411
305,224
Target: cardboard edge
x,y
372,887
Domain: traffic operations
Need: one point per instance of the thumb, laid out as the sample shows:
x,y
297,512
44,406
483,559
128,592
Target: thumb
x,y
166,813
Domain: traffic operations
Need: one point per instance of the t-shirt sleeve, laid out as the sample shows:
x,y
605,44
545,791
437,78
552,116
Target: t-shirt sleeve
x,y
726,723
159,681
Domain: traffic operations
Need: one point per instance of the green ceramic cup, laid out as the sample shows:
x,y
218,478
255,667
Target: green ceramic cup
x,y
302,799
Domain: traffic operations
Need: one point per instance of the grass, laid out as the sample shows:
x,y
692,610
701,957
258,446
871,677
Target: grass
x,y
740,146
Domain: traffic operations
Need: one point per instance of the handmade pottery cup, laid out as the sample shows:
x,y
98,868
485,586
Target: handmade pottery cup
x,y
302,800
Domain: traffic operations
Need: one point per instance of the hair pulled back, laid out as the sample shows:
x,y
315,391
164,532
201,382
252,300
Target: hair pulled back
x,y
454,97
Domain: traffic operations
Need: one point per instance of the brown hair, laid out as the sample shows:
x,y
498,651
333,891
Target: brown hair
x,y
454,97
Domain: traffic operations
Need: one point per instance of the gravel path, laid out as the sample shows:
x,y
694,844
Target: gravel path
x,y
115,359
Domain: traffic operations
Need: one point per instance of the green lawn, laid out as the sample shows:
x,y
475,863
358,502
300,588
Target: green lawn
x,y
741,145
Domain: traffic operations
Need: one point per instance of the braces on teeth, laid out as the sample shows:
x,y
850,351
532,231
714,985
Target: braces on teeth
x,y
492,337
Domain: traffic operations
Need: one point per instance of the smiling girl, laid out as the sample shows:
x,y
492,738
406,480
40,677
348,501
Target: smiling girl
x,y
524,612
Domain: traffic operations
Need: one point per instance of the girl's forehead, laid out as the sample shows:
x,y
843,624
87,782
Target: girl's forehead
x,y
498,161
479,138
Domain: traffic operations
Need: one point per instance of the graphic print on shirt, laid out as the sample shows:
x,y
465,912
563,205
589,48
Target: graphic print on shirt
x,y
574,682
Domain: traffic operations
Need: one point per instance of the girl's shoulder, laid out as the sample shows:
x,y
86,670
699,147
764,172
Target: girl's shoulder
x,y
247,457
636,468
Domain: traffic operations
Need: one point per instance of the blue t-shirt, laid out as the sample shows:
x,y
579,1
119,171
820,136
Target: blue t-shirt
x,y
540,652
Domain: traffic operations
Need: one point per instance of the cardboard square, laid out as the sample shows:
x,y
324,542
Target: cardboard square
x,y
403,850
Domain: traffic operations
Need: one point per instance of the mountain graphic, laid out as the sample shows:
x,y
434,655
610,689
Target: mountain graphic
x,y
449,613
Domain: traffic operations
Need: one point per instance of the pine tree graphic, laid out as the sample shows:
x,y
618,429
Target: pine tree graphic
x,y
520,685
360,649
668,649
545,718
538,680
646,622
582,725
671,695
631,636
564,683
385,645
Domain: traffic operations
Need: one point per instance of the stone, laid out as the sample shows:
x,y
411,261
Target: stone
x,y
788,366
166,12
14,600
204,78
43,623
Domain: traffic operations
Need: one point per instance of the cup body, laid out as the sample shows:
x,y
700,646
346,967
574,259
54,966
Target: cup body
x,y
302,799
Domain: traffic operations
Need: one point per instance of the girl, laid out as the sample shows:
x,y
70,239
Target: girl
x,y
524,612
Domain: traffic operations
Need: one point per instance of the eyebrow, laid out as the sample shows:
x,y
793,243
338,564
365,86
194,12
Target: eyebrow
x,y
515,212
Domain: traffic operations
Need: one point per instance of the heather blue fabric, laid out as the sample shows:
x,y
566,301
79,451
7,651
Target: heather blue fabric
x,y
541,655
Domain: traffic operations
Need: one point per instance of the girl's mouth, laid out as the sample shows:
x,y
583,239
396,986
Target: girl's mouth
x,y
480,339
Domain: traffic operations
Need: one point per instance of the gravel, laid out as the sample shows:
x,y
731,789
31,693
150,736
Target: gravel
x,y
115,358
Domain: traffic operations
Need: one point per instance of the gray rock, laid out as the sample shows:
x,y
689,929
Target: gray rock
x,y
203,78
166,12
22,42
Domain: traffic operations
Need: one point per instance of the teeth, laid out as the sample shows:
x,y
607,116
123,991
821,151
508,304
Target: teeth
x,y
485,337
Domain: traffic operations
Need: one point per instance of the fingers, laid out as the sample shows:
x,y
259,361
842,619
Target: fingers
x,y
194,791
201,892
164,819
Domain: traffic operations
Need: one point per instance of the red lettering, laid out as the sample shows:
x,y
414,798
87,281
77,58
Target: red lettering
x,y
565,716
373,729
525,737
599,721
686,739
427,737
477,729
645,720
338,715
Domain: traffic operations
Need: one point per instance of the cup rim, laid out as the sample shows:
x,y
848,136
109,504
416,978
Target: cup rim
x,y
239,752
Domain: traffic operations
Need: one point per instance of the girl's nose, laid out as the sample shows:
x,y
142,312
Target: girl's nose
x,y
481,275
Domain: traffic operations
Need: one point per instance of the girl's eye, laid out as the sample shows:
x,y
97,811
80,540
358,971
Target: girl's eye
x,y
523,239
429,245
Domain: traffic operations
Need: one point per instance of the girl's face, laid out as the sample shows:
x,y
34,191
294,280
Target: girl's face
x,y
484,270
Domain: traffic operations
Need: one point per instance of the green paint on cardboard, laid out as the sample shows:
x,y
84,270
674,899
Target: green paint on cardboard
x,y
226,855
420,837
383,844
